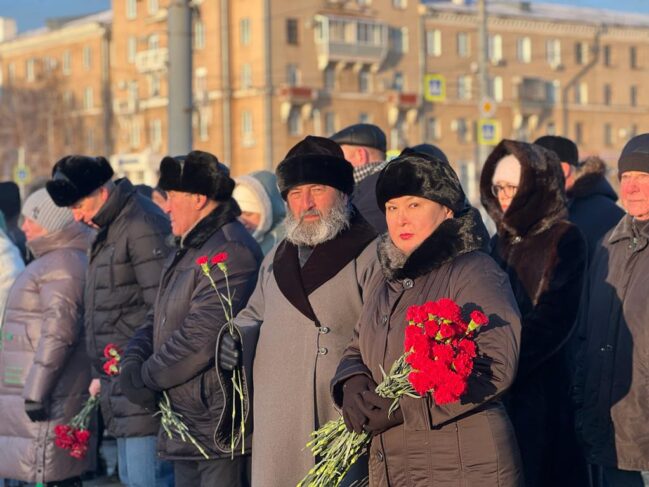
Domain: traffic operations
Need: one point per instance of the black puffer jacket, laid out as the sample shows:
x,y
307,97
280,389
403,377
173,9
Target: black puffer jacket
x,y
126,260
545,257
179,339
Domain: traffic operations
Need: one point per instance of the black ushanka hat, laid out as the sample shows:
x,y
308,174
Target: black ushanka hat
x,y
315,160
417,174
198,172
75,177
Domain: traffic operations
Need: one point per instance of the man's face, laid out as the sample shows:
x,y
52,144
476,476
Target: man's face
x,y
184,211
634,193
356,154
250,220
308,202
86,208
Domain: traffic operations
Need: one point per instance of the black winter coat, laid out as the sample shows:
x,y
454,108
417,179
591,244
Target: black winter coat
x,y
126,260
545,257
178,341
364,199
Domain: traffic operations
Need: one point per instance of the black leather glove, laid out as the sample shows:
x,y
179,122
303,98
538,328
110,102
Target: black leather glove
x,y
230,352
376,408
130,380
35,410
353,415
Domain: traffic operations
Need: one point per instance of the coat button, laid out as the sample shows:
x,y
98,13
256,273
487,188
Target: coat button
x,y
323,351
407,283
324,330
379,456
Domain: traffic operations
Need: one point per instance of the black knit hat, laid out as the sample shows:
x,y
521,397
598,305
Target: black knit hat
x,y
75,177
198,172
635,155
565,149
416,174
9,199
315,160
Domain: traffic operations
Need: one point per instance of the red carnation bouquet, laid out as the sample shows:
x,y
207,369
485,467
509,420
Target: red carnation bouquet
x,y
439,350
75,435
113,356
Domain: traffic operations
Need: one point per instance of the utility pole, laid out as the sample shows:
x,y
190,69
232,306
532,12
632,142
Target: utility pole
x,y
180,107
483,78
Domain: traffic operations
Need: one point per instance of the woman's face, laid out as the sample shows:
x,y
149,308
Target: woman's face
x,y
412,219
32,229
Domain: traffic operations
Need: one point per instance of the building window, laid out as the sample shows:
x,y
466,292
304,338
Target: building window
x,y
247,139
633,96
462,130
551,129
155,134
608,134
399,3
154,85
199,35
329,78
364,118
203,126
68,99
29,70
398,82
131,9
291,32
524,49
11,72
432,129
399,40
553,52
463,45
434,42
496,88
581,53
134,134
152,7
633,57
607,94
294,122
246,76
552,91
606,55
87,57
495,48
90,140
364,81
579,133
200,84
131,49
330,123
244,34
581,94
87,98
153,42
67,63
292,75
464,87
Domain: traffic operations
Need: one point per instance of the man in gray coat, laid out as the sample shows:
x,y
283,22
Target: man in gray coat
x,y
309,295
611,381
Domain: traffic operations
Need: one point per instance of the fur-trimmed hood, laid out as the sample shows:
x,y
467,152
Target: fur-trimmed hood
x,y
591,180
540,200
456,236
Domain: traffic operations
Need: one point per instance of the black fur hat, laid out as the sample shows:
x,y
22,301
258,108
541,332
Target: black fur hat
x,y
198,172
315,160
75,177
564,148
635,155
417,174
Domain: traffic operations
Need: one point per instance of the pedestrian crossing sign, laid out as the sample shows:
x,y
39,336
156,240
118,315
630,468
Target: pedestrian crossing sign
x,y
489,132
434,87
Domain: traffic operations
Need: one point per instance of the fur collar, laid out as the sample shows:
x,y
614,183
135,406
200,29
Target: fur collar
x,y
540,201
456,236
226,212
591,180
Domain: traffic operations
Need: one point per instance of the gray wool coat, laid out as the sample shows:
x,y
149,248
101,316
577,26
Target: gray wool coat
x,y
296,356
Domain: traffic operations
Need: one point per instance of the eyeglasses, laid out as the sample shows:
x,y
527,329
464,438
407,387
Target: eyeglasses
x,y
508,190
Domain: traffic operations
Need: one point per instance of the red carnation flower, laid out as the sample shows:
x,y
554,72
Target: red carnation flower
x,y
82,436
432,328
219,258
79,451
111,351
443,353
202,260
448,310
110,367
468,347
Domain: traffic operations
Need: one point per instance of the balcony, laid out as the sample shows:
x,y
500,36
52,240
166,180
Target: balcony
x,y
350,40
151,60
403,101
297,95
534,95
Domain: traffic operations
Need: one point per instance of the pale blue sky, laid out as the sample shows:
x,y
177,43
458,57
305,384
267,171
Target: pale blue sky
x,y
31,14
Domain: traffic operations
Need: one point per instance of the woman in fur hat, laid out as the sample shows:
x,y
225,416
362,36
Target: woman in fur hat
x,y
433,249
522,188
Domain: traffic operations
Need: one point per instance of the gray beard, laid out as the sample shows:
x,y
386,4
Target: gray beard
x,y
310,234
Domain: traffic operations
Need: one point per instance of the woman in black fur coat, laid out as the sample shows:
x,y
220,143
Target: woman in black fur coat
x,y
522,189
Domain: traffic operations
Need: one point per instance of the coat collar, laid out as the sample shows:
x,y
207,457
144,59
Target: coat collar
x,y
118,198
327,259
74,236
223,214
624,230
455,236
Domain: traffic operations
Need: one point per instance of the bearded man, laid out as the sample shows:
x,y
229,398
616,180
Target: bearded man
x,y
302,313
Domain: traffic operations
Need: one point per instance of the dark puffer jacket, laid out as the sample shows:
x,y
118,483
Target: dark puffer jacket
x,y
43,358
177,343
126,261
545,257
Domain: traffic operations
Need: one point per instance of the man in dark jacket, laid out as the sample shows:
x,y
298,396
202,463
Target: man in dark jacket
x,y
126,260
591,198
611,381
174,351
364,146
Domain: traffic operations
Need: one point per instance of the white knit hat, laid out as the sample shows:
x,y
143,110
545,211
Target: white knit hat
x,y
247,199
40,208
508,170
